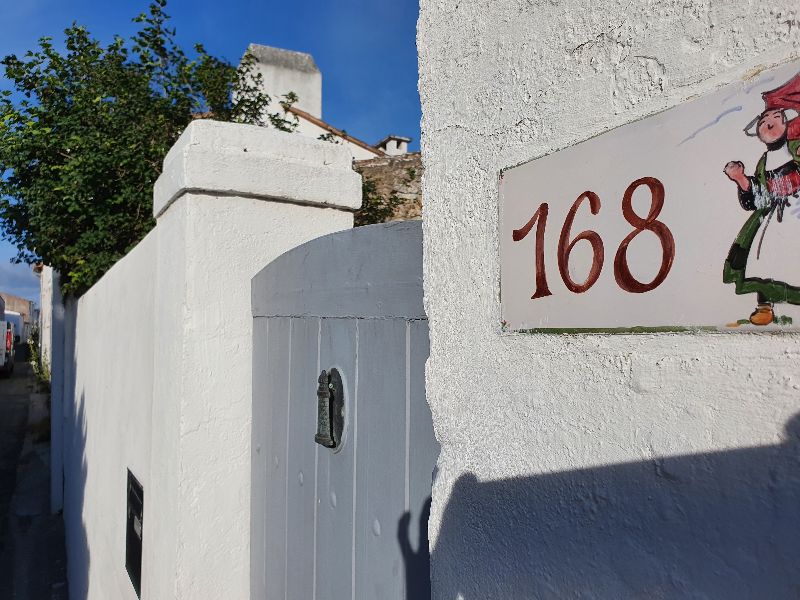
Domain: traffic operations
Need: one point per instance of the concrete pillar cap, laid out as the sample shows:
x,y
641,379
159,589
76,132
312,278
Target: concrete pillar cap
x,y
231,159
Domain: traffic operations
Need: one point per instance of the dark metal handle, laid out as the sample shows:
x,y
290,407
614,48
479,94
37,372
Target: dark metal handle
x,y
330,409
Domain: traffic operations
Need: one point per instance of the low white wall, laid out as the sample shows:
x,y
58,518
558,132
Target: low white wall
x,y
223,242
506,81
231,199
107,428
156,365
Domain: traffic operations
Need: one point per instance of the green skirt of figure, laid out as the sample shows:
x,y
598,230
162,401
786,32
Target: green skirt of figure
x,y
736,263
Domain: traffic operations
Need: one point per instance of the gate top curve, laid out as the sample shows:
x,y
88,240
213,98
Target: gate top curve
x,y
365,272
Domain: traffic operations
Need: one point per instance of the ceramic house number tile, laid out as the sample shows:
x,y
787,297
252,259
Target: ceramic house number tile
x,y
687,219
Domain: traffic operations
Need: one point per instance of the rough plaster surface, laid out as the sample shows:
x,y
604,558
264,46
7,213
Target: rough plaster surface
x,y
503,82
247,160
226,242
210,246
107,423
157,364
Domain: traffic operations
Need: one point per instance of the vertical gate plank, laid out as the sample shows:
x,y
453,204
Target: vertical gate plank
x,y
347,524
381,464
423,453
335,475
278,392
259,454
301,459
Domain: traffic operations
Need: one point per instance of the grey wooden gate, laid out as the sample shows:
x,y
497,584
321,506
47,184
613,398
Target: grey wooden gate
x,y
348,523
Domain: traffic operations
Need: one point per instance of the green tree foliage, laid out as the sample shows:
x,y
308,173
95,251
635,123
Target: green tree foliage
x,y
375,208
84,130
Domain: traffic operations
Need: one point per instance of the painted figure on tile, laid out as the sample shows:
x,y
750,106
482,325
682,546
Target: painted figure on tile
x,y
765,257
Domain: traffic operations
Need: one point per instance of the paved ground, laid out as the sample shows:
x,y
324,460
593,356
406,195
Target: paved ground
x,y
32,560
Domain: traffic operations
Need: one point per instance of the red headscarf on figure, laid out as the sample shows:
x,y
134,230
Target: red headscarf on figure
x,y
786,97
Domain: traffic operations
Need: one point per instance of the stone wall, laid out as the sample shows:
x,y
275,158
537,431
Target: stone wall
x,y
401,175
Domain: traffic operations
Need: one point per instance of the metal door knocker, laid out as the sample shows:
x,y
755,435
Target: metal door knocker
x,y
330,409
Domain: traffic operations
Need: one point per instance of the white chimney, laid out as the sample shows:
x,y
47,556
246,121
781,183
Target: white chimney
x,y
287,71
394,145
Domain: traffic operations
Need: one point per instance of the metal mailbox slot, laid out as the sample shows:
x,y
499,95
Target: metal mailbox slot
x,y
133,533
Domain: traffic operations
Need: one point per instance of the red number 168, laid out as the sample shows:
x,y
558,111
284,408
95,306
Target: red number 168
x,y
622,273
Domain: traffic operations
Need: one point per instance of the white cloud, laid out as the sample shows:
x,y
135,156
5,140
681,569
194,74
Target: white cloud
x,y
19,280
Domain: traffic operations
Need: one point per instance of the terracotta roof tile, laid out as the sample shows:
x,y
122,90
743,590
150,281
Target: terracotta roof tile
x,y
338,132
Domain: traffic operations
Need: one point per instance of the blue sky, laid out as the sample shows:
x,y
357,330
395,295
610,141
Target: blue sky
x,y
365,49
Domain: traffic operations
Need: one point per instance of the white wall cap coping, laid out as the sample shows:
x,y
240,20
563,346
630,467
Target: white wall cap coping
x,y
232,159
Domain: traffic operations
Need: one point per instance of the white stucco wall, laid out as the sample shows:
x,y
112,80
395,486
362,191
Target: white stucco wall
x,y
107,426
503,82
157,374
231,199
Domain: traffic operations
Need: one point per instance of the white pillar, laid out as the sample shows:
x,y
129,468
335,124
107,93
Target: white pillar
x,y
231,199
53,352
501,83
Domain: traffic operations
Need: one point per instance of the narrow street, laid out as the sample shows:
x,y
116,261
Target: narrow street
x,y
32,557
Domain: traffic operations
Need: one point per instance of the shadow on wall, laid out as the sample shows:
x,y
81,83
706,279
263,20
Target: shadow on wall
x,y
703,526
417,563
78,555
75,481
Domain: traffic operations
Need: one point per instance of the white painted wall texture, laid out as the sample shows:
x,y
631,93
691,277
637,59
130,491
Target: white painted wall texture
x,y
108,425
161,373
605,466
213,240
